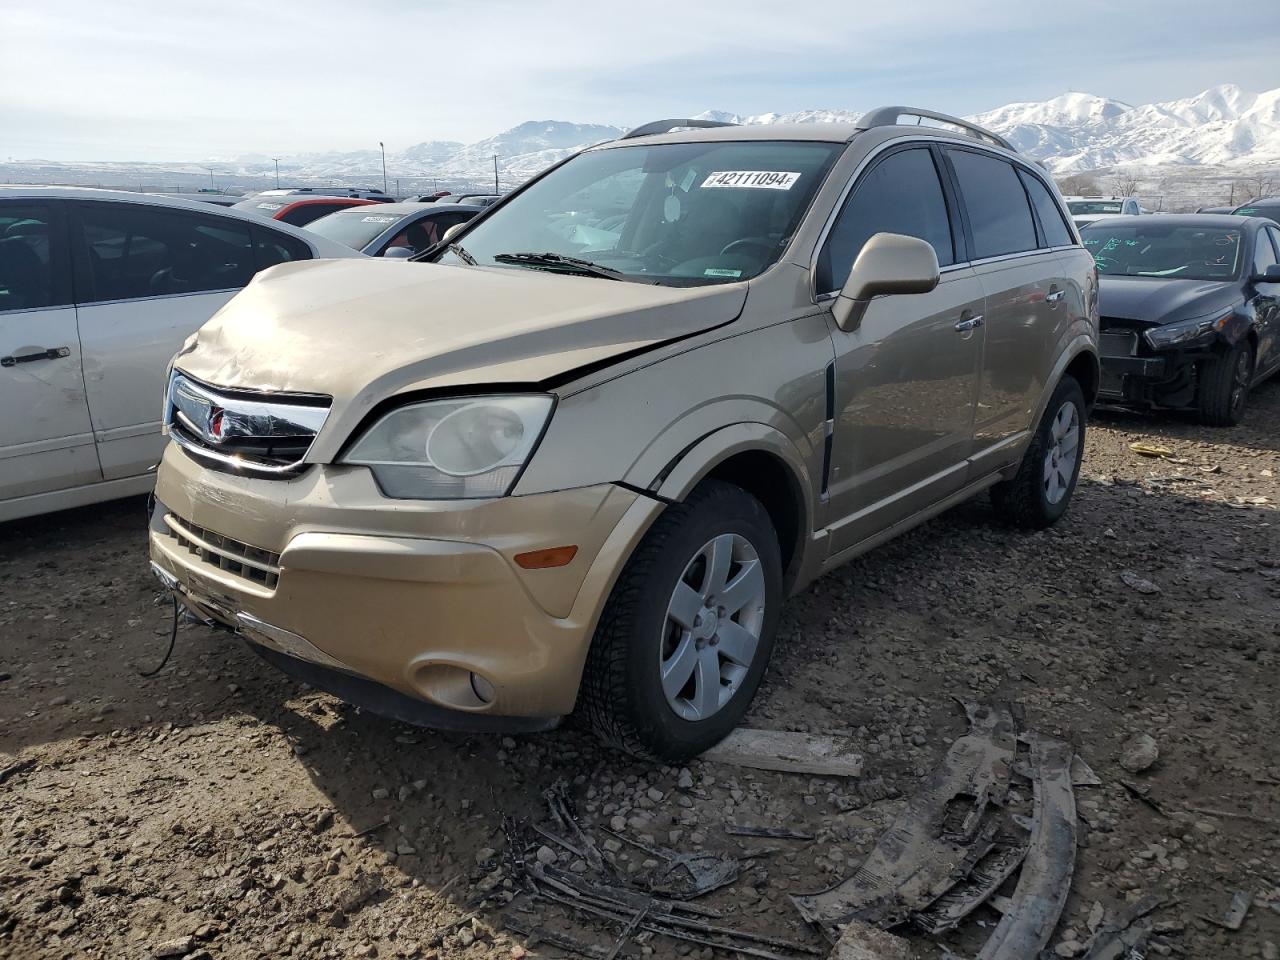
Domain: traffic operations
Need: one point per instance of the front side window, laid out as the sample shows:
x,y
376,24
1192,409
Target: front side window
x,y
28,278
999,216
1264,255
425,233
139,251
1150,247
900,194
1054,227
683,214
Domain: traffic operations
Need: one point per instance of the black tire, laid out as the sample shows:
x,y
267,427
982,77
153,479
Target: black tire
x,y
1224,386
621,695
1024,500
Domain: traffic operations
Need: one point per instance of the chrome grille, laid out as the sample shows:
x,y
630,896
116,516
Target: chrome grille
x,y
252,432
240,559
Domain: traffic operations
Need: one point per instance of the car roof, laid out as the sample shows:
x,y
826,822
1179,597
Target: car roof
x,y
812,132
323,247
1263,202
409,207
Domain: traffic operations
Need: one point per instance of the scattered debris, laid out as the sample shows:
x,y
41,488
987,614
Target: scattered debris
x,y
537,934
1139,753
769,833
1082,774
1233,919
705,871
788,752
13,769
915,862
862,941
1144,796
1045,880
1150,449
1135,582
1123,937
1234,815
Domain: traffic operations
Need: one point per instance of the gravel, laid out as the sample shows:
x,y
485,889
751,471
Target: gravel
x,y
225,809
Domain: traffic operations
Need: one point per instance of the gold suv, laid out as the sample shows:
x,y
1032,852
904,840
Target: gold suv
x,y
577,459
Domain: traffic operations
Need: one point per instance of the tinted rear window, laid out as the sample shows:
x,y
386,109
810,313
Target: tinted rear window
x,y
999,215
1055,229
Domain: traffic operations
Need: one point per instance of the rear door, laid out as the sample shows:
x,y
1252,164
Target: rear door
x,y
46,442
147,277
1026,287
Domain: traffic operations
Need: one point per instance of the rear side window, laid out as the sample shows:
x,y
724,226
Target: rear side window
x,y
1054,227
300,216
137,251
900,194
999,216
32,274
271,247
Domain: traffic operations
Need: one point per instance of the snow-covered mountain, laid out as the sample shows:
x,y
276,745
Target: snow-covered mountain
x,y
1221,127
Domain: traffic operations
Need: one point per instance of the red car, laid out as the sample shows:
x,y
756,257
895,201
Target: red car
x,y
299,211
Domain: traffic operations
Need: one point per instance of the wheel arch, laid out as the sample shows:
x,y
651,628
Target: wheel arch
x,y
761,460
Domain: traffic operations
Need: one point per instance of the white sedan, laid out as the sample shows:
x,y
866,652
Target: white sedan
x,y
98,290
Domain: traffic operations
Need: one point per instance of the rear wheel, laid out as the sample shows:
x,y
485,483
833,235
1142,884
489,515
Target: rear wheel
x,y
1224,386
687,632
1039,493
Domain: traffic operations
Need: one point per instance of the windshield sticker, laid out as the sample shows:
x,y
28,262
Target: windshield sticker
x,y
379,219
721,272
270,206
753,179
689,177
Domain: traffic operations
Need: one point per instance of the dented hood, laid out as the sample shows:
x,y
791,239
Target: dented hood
x,y
364,329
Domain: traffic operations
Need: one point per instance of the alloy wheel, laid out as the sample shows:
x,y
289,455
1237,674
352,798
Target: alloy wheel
x,y
712,628
1061,458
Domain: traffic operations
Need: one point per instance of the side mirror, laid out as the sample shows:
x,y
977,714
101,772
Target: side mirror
x,y
889,263
1269,275
398,253
452,232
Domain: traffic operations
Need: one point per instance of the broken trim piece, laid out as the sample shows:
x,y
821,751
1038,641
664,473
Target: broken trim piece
x,y
1045,880
932,842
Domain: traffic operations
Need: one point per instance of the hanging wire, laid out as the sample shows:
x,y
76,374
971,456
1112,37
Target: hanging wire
x,y
173,636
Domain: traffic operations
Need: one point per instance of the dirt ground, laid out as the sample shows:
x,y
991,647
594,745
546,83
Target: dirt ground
x,y
223,810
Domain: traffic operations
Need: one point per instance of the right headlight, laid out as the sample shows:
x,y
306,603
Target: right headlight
x,y
1184,332
468,447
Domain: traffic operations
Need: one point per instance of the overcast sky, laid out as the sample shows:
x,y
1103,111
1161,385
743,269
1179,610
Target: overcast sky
x,y
176,80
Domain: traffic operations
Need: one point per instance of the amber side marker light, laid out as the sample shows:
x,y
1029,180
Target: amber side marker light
x,y
544,559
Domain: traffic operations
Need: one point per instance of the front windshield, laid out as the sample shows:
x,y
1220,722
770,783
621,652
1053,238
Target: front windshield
x,y
355,227
1092,206
678,213
1154,249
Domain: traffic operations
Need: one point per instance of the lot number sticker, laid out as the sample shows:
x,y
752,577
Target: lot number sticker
x,y
752,179
380,219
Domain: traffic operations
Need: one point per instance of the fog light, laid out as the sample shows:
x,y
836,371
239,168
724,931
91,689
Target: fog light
x,y
482,688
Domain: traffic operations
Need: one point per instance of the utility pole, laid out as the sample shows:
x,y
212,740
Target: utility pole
x,y
212,185
397,186
277,160
383,147
495,173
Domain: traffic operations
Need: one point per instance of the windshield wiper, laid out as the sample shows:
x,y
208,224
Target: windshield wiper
x,y
457,250
569,264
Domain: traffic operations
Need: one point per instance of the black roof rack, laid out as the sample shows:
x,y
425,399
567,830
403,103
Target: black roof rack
x,y
889,116
666,126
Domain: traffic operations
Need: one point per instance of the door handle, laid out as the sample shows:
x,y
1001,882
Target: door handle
x,y
51,353
969,323
1054,295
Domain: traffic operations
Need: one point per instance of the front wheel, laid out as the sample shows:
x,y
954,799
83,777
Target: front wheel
x,y
1224,386
687,632
1038,494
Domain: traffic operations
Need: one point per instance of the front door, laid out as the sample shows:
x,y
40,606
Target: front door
x,y
906,378
46,442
